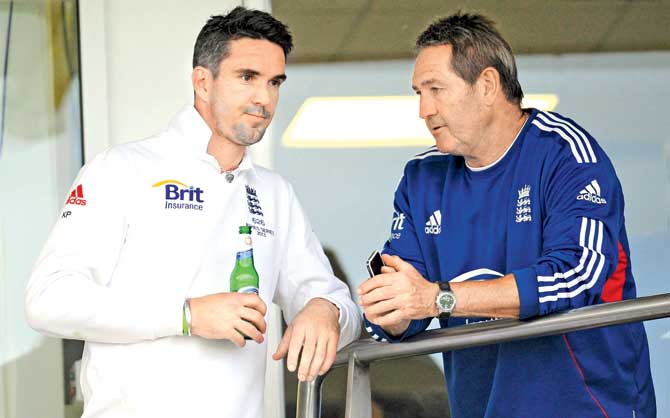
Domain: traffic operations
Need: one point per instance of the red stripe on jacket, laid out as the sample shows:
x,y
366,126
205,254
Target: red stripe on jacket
x,y
613,289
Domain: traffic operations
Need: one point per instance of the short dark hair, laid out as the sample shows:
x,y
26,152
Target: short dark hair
x,y
476,45
211,46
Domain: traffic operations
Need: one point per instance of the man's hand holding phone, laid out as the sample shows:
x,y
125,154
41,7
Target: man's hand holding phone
x,y
374,264
396,297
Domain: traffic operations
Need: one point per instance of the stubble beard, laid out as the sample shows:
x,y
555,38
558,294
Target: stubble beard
x,y
246,136
241,134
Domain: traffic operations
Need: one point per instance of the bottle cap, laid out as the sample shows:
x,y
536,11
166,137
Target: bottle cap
x,y
245,229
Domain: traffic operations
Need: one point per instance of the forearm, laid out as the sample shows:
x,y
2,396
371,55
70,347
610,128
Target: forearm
x,y
75,307
498,298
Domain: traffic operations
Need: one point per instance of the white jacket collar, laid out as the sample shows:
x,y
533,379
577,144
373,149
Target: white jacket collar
x,y
193,135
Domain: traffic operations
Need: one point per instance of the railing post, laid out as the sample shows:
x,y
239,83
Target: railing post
x,y
359,395
308,403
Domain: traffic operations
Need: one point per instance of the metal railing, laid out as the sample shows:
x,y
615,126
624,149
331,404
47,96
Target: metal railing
x,y
359,354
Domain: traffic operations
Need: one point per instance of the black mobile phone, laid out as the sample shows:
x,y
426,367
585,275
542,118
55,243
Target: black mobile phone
x,y
374,263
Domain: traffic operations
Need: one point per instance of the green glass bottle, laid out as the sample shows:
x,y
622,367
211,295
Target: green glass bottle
x,y
244,278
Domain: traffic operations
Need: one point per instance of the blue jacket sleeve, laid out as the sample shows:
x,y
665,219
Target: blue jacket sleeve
x,y
583,206
403,242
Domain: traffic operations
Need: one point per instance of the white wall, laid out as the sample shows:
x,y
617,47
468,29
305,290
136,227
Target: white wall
x,y
136,64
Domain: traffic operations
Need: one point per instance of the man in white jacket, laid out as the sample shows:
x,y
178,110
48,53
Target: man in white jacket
x,y
143,251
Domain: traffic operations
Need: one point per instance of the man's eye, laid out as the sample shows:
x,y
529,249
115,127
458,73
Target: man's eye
x,y
247,77
275,83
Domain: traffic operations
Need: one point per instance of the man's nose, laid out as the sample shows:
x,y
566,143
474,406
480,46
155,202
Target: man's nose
x,y
426,107
261,96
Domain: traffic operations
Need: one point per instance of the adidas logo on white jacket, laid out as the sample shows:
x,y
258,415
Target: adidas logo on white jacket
x,y
434,223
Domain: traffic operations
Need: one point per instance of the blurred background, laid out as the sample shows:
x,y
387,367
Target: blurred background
x,y
79,76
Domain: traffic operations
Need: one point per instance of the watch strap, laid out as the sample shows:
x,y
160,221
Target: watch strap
x,y
444,286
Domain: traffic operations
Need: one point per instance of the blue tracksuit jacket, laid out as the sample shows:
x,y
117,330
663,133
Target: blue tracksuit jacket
x,y
550,211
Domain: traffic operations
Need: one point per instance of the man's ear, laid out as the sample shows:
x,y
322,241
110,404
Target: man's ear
x,y
489,85
202,82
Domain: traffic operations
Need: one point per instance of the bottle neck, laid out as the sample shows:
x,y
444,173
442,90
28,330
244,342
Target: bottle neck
x,y
245,254
244,243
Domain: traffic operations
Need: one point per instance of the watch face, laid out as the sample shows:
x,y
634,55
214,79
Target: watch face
x,y
446,302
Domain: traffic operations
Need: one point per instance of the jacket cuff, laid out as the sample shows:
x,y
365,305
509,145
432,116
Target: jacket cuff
x,y
526,284
171,316
378,333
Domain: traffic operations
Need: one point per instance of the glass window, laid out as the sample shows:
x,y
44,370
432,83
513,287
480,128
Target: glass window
x,y
40,154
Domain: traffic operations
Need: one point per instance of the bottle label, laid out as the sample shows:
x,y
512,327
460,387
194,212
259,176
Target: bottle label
x,y
248,289
242,255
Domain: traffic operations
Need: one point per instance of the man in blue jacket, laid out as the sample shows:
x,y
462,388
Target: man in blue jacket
x,y
514,213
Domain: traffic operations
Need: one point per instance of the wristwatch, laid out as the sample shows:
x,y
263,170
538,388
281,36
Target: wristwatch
x,y
445,301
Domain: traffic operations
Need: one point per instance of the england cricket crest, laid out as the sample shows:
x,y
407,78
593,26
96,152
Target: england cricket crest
x,y
523,210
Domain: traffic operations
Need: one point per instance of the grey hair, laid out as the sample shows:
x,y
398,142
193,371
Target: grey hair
x,y
476,45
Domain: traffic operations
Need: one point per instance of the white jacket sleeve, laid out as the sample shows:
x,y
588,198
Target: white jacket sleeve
x,y
69,293
305,274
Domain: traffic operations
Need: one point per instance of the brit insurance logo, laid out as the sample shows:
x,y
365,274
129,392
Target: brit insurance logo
x,y
523,210
591,193
434,223
180,196
397,224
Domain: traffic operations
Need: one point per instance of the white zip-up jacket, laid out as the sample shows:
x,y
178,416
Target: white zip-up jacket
x,y
147,225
